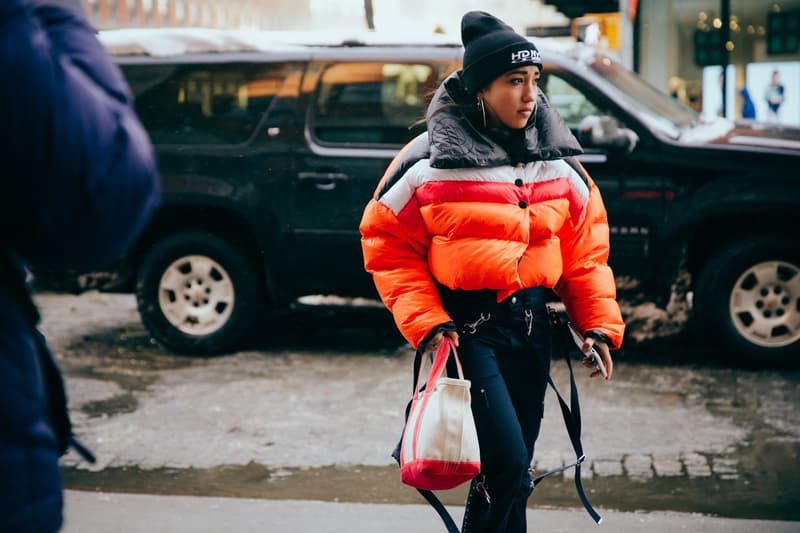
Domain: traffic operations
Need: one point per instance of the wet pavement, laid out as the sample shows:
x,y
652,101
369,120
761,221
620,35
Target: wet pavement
x,y
312,409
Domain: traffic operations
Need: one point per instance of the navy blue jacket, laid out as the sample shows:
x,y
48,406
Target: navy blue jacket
x,y
79,183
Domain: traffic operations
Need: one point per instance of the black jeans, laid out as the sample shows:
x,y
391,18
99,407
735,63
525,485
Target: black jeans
x,y
507,358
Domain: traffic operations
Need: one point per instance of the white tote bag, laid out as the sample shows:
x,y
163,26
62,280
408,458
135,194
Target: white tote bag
x,y
439,449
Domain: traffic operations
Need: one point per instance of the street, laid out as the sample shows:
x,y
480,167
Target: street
x,y
313,408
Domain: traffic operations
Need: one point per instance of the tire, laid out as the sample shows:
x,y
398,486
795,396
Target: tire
x,y
197,293
748,298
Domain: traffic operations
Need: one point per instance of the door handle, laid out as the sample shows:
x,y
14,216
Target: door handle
x,y
323,181
322,176
592,158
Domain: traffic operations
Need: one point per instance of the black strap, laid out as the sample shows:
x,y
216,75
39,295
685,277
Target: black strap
x,y
57,398
572,420
449,523
82,450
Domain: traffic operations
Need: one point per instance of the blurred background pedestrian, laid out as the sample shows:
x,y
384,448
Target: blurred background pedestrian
x,y
748,107
774,96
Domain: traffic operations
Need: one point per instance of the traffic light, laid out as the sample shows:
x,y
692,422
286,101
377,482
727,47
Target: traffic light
x,y
783,29
708,48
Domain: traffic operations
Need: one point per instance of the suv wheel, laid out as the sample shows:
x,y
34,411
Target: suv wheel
x,y
197,293
748,296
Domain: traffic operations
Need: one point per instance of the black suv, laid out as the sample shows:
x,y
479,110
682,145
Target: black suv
x,y
269,148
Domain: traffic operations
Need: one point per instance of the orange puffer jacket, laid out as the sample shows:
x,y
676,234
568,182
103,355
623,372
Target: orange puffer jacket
x,y
438,217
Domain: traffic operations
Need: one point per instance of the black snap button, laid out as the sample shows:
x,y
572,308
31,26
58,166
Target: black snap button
x,y
518,182
523,204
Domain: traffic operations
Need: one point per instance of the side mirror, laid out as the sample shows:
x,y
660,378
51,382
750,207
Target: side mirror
x,y
603,131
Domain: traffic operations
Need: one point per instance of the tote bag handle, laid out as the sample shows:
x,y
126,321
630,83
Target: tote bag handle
x,y
446,347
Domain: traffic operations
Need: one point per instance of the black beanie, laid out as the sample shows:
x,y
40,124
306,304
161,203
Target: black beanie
x,y
492,47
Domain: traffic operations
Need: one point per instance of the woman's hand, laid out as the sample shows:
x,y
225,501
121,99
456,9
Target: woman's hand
x,y
434,343
605,354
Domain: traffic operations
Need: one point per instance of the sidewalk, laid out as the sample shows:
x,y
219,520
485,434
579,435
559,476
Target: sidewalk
x,y
93,512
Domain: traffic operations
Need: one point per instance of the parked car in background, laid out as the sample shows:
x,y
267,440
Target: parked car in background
x,y
270,146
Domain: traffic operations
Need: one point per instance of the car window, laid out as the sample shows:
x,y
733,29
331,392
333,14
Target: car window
x,y
371,103
570,103
206,104
657,109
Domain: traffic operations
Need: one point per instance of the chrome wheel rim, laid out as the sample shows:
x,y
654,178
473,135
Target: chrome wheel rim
x,y
765,304
196,295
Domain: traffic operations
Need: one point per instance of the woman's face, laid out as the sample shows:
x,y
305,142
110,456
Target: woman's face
x,y
511,98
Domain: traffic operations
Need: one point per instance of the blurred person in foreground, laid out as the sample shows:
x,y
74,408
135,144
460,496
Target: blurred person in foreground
x,y
80,182
471,226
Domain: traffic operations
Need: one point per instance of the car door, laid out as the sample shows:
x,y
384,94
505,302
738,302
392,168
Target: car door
x,y
360,113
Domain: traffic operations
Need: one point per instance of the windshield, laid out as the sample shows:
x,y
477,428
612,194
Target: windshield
x,y
657,109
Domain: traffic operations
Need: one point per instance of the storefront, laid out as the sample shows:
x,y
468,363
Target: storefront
x,y
683,43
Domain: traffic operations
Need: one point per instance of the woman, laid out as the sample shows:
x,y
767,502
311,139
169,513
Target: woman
x,y
470,227
774,96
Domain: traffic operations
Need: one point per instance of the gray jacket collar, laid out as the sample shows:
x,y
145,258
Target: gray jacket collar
x,y
456,142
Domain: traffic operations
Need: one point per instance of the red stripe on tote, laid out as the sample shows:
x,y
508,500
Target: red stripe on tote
x,y
431,474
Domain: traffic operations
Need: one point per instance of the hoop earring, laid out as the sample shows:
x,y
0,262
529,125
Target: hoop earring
x,y
483,111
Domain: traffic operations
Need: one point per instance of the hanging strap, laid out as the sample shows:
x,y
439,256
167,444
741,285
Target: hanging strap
x,y
572,420
439,507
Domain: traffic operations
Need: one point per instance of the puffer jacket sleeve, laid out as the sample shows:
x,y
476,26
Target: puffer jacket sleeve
x,y
395,247
587,285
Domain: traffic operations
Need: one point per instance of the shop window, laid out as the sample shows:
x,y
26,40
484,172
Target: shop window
x,y
193,18
92,10
371,103
150,9
180,12
113,11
